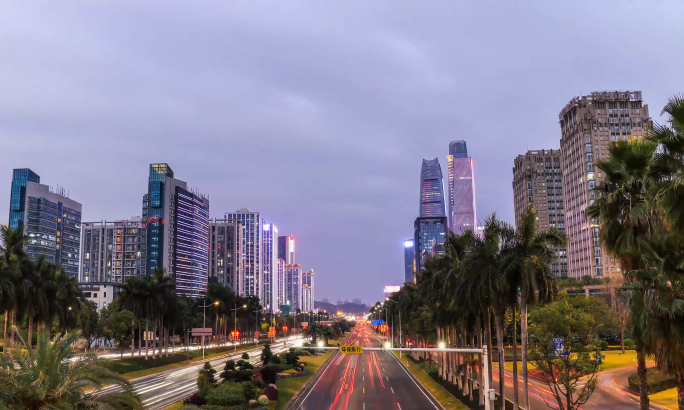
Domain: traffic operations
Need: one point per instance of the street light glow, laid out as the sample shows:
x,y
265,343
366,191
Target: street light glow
x,y
320,343
442,345
216,303
387,345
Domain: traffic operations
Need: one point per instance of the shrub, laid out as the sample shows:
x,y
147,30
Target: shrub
x,y
269,374
228,394
266,354
577,347
188,407
212,407
604,345
195,399
656,380
262,400
629,343
275,360
245,356
249,391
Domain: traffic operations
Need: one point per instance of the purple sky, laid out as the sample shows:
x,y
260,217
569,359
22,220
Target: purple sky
x,y
315,113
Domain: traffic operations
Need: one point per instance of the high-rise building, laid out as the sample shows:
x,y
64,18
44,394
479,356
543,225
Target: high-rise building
x,y
537,181
431,189
409,261
429,234
281,284
177,222
308,291
252,283
286,249
589,124
293,286
227,259
357,301
50,220
462,215
111,251
270,252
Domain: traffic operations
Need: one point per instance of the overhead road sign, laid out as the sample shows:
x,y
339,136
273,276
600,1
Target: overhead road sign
x,y
351,349
201,331
377,322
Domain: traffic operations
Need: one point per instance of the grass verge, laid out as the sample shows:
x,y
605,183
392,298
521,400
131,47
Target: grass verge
x,y
175,406
614,359
667,398
448,400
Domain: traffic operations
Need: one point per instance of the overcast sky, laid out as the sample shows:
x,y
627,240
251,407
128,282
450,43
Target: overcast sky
x,y
315,113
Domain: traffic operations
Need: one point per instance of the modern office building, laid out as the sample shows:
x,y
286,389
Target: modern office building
x,y
286,249
226,258
177,222
431,189
270,254
589,124
409,261
429,234
462,215
102,294
537,181
50,219
111,251
293,286
281,284
252,282
308,291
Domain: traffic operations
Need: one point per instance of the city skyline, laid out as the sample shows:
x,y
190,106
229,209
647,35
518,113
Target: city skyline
x,y
328,151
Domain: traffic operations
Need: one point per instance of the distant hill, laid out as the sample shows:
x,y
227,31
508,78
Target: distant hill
x,y
346,308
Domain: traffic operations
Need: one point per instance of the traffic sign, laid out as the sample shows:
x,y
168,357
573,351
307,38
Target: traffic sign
x,y
257,334
351,349
201,331
377,322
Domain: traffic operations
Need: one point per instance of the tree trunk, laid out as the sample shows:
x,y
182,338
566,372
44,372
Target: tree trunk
x,y
154,338
490,343
133,338
147,342
643,383
4,334
162,337
679,378
30,332
13,328
480,378
500,348
440,370
140,338
523,336
516,388
622,338
472,368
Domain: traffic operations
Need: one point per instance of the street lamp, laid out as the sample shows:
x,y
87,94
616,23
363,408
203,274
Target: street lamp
x,y
67,320
235,320
204,322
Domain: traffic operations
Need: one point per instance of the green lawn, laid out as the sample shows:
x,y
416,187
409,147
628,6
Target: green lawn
x,y
667,398
175,406
614,359
440,393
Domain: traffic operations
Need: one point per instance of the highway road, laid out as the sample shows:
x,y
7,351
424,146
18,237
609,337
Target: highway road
x,y
372,380
162,389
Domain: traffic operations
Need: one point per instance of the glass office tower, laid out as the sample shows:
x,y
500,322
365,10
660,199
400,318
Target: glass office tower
x,y
409,261
429,237
252,282
50,219
271,289
462,214
431,189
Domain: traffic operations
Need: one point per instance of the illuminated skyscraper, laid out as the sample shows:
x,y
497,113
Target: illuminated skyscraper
x,y
308,291
226,259
293,286
286,249
252,283
409,261
462,214
50,219
270,253
429,237
177,222
281,284
431,189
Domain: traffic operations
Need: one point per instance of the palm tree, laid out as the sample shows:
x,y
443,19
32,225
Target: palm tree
x,y
51,378
314,331
12,253
627,211
527,266
132,297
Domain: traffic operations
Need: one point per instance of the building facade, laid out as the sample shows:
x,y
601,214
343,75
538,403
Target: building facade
x,y
308,291
270,252
431,189
225,252
252,281
293,286
286,249
177,225
102,294
589,124
281,284
409,261
429,236
537,181
462,213
50,220
111,251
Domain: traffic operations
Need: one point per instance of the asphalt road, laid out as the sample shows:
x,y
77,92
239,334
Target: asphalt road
x,y
160,390
372,380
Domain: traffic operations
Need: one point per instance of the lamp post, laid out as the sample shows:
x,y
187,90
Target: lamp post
x,y
204,322
256,326
67,320
235,320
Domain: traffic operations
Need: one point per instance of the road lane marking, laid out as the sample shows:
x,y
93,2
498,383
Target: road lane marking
x,y
319,379
414,382
364,390
392,390
387,378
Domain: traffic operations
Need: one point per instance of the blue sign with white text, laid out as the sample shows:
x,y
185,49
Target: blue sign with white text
x,y
377,322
